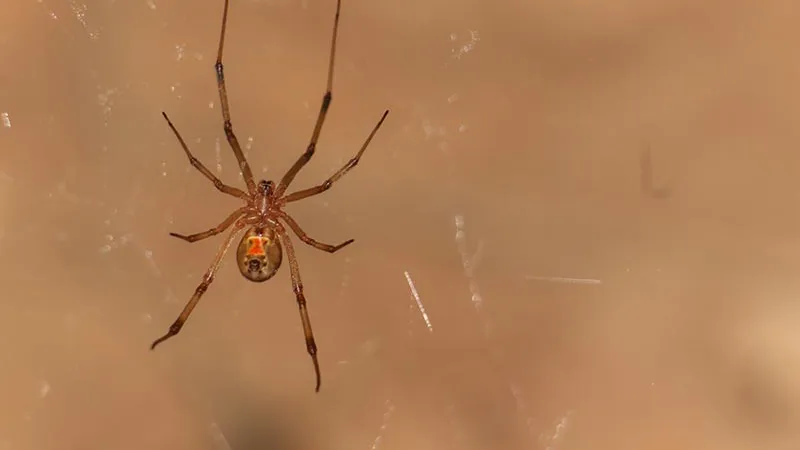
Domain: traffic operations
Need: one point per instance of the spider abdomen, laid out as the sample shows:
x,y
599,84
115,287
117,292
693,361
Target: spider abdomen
x,y
259,254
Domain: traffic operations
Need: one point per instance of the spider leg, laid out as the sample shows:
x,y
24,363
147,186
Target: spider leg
x,y
312,242
226,113
299,195
213,231
323,112
297,285
230,190
176,326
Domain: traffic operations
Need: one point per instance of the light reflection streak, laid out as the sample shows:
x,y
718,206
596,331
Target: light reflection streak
x,y
384,425
522,406
420,306
554,440
220,442
565,280
469,263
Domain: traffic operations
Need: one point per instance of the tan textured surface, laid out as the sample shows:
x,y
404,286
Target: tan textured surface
x,y
526,118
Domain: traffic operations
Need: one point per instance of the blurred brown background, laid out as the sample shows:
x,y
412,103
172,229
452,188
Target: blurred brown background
x,y
511,157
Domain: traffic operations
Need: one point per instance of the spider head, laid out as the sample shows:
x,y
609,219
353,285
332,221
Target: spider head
x,y
266,187
259,254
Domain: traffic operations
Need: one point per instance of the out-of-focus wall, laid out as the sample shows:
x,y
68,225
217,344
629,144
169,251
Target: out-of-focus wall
x,y
566,309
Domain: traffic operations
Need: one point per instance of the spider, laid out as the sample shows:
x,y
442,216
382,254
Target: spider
x,y
260,250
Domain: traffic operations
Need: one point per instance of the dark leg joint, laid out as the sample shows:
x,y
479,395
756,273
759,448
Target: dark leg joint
x,y
312,348
203,287
312,147
175,328
219,70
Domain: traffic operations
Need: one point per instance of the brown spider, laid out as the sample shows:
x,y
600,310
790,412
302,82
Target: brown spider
x,y
259,253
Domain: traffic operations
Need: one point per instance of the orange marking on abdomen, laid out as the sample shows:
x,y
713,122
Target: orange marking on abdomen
x,y
256,247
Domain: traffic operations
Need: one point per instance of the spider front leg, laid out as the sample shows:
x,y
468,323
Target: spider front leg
x,y
323,112
230,190
247,174
297,286
299,195
312,242
176,326
213,231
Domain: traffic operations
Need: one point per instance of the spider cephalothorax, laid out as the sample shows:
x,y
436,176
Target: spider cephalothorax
x,y
260,251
